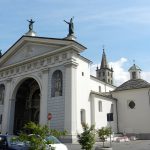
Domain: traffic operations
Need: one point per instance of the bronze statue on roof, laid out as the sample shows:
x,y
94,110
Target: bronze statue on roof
x,y
71,26
30,24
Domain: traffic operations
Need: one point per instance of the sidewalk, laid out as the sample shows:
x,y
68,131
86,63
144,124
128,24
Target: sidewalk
x,y
131,145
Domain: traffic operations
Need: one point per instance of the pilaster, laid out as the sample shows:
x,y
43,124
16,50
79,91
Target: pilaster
x,y
6,111
44,97
11,116
70,99
92,109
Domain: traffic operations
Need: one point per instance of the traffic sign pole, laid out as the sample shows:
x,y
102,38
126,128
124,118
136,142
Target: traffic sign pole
x,y
49,117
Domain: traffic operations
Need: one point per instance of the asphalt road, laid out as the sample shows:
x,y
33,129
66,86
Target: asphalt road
x,y
131,145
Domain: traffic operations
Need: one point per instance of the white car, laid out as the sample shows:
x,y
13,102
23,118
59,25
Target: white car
x,y
56,143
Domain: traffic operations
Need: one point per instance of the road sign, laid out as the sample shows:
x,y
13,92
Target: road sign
x,y
49,116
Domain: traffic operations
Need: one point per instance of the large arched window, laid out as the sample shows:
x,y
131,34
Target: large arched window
x,y
56,83
2,93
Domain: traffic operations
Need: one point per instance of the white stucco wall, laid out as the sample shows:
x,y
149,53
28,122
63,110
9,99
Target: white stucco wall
x,y
77,85
134,120
86,84
100,118
83,92
95,83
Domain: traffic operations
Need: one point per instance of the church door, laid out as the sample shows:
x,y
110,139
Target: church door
x,y
27,105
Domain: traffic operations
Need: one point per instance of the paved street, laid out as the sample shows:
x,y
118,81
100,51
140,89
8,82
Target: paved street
x,y
132,145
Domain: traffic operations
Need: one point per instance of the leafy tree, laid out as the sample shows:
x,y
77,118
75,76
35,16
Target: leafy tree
x,y
87,137
35,135
103,133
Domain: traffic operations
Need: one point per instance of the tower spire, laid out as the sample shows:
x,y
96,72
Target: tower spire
x,y
104,63
104,73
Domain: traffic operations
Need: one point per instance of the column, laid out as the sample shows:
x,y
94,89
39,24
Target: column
x,y
6,110
70,99
44,97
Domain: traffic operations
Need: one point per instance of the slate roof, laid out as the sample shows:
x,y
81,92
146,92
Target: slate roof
x,y
133,84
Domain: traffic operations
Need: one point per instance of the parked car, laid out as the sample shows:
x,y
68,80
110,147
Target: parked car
x,y
7,143
55,143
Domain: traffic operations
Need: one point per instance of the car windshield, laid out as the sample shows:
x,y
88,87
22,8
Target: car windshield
x,y
52,140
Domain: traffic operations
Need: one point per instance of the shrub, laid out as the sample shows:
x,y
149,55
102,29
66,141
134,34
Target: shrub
x,y
103,133
87,138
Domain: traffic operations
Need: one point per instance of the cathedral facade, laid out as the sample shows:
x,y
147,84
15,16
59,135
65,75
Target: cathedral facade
x,y
41,76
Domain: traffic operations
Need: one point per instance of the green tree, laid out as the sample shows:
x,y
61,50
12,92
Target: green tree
x,y
87,137
103,133
35,135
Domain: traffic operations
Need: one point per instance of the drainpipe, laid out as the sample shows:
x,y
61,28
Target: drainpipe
x,y
117,115
149,95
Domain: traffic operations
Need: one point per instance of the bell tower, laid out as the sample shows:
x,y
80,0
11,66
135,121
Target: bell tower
x,y
104,73
135,72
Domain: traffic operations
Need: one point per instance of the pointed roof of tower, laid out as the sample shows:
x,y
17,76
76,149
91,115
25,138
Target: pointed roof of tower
x,y
104,63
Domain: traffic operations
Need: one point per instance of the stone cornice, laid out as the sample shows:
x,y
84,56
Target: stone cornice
x,y
71,63
36,64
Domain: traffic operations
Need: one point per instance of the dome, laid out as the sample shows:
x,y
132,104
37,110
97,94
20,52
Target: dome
x,y
134,67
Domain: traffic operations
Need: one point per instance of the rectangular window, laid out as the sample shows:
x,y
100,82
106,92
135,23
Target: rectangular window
x,y
133,75
83,119
100,106
112,108
99,88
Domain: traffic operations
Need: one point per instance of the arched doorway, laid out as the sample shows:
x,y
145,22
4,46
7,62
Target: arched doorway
x,y
27,105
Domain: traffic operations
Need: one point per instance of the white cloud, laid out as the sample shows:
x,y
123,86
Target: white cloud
x,y
120,74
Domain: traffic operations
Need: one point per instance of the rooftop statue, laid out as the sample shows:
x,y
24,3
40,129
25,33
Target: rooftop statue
x,y
30,24
71,26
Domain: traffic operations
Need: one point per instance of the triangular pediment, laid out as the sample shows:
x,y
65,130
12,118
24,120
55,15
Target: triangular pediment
x,y
29,51
27,48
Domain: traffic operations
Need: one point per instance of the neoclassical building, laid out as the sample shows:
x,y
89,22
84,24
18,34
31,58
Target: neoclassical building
x,y
41,75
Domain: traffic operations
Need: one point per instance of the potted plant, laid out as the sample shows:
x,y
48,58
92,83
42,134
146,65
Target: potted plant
x,y
87,138
103,133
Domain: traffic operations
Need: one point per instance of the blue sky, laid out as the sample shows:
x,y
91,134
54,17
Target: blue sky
x,y
122,26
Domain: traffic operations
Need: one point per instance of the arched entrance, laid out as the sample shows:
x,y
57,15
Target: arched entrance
x,y
27,105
